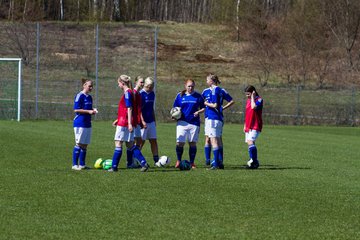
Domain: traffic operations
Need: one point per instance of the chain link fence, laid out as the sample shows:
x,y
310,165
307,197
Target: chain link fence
x,y
57,55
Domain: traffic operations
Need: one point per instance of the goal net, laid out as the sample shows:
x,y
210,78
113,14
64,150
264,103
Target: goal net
x,y
10,88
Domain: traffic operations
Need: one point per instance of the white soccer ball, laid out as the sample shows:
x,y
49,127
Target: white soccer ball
x,y
176,113
163,161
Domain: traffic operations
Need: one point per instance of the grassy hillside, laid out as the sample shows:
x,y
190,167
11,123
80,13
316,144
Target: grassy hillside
x,y
67,53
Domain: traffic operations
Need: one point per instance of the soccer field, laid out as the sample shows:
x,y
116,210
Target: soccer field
x,y
307,187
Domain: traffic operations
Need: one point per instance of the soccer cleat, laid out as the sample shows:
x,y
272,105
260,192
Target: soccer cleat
x,y
177,165
252,164
145,168
207,162
249,162
157,164
112,170
76,168
255,165
83,167
132,166
193,166
213,168
221,166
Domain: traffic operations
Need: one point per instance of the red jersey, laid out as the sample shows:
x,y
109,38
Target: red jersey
x,y
125,102
253,117
137,108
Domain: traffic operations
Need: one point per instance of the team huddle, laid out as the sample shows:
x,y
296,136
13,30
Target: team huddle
x,y
136,122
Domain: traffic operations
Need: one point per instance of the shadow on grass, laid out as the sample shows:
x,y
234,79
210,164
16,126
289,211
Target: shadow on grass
x,y
267,167
264,167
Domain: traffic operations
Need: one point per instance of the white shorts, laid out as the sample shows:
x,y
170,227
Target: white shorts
x,y
149,132
82,135
122,134
252,135
213,128
187,132
137,131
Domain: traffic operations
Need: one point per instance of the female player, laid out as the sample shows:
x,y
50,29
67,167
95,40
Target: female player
x,y
82,123
139,84
253,123
188,126
125,127
224,95
148,132
214,118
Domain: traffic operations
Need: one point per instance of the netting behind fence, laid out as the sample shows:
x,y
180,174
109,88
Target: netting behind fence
x,y
8,89
68,52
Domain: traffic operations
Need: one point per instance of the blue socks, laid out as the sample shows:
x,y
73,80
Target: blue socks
x,y
253,153
192,154
221,154
207,150
216,153
137,154
82,157
76,154
116,157
179,152
129,157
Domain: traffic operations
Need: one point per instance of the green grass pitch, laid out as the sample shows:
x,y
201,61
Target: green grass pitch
x,y
308,187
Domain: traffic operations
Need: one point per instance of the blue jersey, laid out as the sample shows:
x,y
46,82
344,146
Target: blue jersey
x,y
213,95
189,103
147,105
82,101
208,96
224,96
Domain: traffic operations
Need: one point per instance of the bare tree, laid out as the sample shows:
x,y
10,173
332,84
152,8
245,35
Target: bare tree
x,y
24,12
18,41
343,19
116,12
238,20
61,9
11,10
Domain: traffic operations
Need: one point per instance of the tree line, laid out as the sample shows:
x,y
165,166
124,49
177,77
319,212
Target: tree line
x,y
203,11
299,40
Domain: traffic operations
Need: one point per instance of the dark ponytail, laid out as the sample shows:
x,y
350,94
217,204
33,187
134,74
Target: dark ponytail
x,y
250,89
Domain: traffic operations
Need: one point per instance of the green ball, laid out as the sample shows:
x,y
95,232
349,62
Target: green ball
x,y
107,164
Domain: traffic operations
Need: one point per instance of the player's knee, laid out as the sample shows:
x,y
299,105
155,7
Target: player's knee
x,y
82,146
249,142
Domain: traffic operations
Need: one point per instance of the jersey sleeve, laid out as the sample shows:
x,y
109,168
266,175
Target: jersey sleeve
x,y
79,101
177,101
128,99
259,103
227,96
215,95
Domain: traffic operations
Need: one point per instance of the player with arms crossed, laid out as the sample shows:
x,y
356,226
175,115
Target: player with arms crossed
x,y
82,123
188,126
125,127
253,123
214,119
224,95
